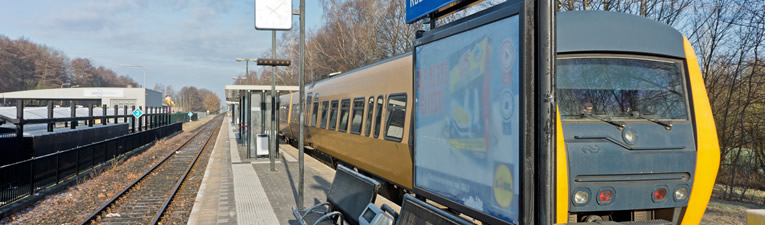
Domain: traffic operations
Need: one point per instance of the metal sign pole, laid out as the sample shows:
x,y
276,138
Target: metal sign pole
x,y
272,137
301,74
546,112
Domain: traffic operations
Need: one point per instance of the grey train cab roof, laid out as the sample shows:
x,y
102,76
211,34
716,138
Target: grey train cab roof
x,y
616,32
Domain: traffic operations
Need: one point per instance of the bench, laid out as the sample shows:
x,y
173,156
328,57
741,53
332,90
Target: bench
x,y
348,196
415,211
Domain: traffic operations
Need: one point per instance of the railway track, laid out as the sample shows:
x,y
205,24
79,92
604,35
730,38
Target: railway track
x,y
145,200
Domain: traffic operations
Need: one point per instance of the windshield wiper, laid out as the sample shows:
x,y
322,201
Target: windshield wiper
x,y
606,120
667,126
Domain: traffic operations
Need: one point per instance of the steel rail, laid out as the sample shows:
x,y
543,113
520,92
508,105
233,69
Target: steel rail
x,y
111,201
185,174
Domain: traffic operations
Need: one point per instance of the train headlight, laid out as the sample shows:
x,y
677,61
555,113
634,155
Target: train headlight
x,y
681,193
629,136
581,197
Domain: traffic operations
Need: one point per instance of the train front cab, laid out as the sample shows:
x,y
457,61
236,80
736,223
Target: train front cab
x,y
636,137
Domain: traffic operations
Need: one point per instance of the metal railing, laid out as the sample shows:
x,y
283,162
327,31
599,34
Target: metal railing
x,y
152,117
26,177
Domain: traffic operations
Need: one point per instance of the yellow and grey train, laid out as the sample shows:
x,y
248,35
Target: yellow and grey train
x,y
636,138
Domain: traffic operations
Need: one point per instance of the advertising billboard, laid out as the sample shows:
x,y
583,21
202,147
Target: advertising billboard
x,y
467,123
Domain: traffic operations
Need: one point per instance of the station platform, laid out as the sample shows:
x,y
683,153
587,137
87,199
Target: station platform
x,y
238,190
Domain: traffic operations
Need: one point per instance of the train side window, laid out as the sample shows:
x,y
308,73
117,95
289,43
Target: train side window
x,y
370,110
396,115
358,115
294,112
345,107
306,108
324,108
314,112
285,113
378,117
333,115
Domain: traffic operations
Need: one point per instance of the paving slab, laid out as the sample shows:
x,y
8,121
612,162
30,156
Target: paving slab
x,y
241,190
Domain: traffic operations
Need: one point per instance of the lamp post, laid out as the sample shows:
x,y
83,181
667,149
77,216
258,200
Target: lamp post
x,y
246,66
144,72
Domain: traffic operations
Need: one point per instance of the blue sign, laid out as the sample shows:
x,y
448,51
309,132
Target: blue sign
x,y
467,131
190,114
416,9
137,113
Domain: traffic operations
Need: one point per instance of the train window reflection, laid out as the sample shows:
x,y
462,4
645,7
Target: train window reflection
x,y
333,115
314,112
306,108
370,109
295,112
324,108
358,115
379,115
345,107
621,88
396,115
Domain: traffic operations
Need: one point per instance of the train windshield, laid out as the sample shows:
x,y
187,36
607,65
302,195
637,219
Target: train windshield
x,y
620,88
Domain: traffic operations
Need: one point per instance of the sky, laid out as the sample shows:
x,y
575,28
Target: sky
x,y
179,42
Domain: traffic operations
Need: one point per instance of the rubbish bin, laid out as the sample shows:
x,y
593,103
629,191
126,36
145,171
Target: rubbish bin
x,y
262,149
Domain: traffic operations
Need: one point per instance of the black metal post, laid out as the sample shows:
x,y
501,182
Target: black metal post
x,y
73,114
249,123
140,119
90,115
116,107
149,117
148,110
132,120
20,124
241,119
50,116
103,120
126,115
545,191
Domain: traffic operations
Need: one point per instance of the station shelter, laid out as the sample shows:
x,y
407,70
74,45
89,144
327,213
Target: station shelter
x,y
253,113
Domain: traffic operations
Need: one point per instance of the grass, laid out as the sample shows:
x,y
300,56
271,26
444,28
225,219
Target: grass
x,y
729,212
725,212
752,196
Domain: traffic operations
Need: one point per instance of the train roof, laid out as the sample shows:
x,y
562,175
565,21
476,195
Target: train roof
x,y
599,31
363,67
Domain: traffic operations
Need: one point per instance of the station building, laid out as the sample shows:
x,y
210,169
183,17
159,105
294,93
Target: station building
x,y
110,96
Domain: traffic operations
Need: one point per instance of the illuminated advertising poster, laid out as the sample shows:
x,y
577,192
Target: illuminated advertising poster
x,y
467,137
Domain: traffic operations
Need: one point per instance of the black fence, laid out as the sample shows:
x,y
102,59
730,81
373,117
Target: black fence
x,y
26,177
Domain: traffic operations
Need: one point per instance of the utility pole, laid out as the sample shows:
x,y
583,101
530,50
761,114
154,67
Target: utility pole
x,y
301,74
272,137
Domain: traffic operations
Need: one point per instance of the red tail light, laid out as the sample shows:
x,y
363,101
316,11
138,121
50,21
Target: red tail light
x,y
660,194
605,196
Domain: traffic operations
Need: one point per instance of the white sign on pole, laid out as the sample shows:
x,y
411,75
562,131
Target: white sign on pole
x,y
273,14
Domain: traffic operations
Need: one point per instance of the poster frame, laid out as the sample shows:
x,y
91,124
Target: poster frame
x,y
524,9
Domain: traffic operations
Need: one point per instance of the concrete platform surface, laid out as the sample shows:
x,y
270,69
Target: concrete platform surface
x,y
240,190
